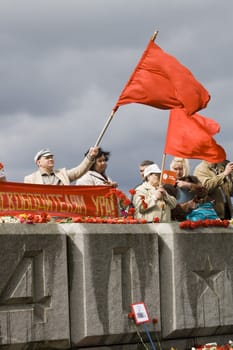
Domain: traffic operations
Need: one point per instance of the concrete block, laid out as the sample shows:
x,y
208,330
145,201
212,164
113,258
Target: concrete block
x,y
34,304
110,267
196,271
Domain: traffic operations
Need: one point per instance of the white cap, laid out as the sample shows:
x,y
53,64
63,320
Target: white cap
x,y
42,153
152,169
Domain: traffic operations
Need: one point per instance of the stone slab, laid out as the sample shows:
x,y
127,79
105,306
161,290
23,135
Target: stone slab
x,y
196,281
110,267
34,305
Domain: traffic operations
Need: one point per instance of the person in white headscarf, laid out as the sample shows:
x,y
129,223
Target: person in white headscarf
x,y
151,200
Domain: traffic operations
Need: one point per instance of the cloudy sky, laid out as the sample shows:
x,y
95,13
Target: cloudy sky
x,y
64,64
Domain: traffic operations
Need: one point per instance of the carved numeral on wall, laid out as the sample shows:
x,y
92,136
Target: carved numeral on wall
x,y
123,253
25,289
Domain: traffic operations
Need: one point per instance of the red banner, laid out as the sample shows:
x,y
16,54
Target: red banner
x,y
66,201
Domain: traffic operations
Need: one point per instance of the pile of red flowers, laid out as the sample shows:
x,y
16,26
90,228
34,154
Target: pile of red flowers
x,y
214,346
34,218
99,220
188,224
45,218
26,218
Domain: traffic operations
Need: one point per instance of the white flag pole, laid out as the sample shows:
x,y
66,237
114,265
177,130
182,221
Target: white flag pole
x,y
105,128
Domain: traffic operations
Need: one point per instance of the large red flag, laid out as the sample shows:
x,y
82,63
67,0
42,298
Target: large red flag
x,y
191,137
160,81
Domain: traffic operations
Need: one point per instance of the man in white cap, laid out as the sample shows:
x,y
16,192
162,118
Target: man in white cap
x,y
47,175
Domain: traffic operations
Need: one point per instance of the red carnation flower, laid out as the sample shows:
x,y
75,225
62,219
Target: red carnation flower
x,y
226,223
155,320
144,204
131,211
156,219
132,191
126,202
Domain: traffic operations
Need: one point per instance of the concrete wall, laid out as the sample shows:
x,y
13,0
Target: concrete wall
x,y
71,285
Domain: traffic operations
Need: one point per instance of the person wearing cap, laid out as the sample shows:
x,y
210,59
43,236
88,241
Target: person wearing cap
x,y
142,166
47,175
151,200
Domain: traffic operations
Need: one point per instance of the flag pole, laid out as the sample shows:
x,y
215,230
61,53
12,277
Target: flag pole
x,y
162,169
154,35
104,128
162,203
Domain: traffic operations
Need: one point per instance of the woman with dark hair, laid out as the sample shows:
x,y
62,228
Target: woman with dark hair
x,y
96,176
